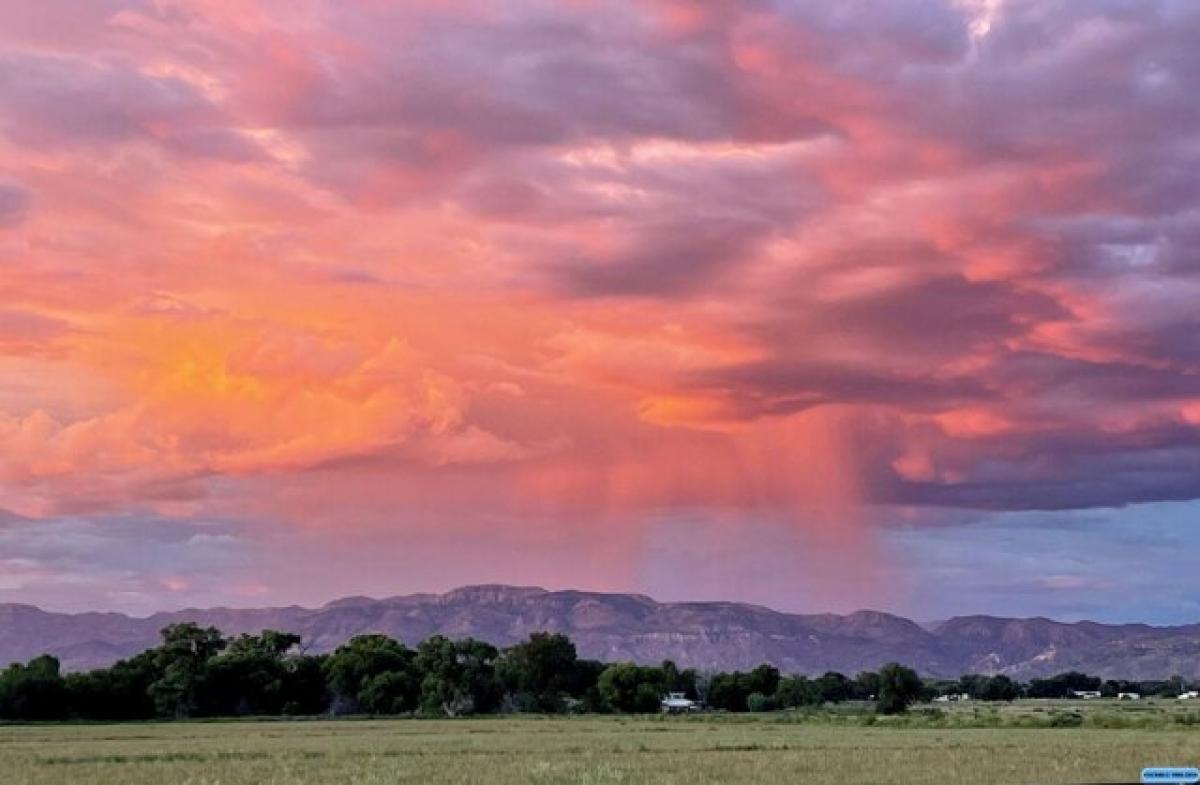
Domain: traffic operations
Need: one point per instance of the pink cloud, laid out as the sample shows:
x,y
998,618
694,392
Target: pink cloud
x,y
579,262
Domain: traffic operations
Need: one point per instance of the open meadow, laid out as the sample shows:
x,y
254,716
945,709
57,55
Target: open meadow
x,y
1111,745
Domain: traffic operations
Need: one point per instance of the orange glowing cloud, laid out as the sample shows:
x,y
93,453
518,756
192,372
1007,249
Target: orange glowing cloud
x,y
586,265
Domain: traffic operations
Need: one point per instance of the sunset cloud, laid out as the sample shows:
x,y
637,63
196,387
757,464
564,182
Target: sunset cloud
x,y
589,263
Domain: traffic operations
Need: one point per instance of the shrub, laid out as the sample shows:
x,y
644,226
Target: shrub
x,y
1066,719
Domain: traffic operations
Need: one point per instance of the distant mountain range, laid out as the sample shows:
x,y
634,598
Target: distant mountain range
x,y
616,627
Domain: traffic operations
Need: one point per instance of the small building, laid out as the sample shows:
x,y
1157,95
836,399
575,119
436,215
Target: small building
x,y
1086,695
677,703
1129,696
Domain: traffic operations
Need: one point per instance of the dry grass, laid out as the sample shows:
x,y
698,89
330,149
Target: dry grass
x,y
628,750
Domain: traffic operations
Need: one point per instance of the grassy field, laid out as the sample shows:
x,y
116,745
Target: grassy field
x,y
706,749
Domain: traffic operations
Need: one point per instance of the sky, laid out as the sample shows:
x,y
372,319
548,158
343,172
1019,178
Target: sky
x,y
818,305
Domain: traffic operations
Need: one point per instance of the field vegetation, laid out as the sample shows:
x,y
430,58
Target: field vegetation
x,y
842,746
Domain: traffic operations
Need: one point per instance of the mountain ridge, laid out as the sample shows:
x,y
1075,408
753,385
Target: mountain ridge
x,y
615,626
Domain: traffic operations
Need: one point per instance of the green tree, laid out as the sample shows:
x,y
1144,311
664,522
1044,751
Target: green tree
x,y
121,692
583,684
675,680
972,684
866,686
898,688
181,662
390,692
728,691
457,677
833,687
633,689
304,687
731,691
538,672
249,676
1174,686
1062,685
33,691
373,673
763,679
796,691
998,688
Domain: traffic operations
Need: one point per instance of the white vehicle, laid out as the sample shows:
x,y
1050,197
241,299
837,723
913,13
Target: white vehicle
x,y
676,703
1189,695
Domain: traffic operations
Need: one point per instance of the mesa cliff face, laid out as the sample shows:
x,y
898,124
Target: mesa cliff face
x,y
613,627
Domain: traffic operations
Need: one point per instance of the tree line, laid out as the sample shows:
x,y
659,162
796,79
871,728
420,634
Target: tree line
x,y
197,672
1064,685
